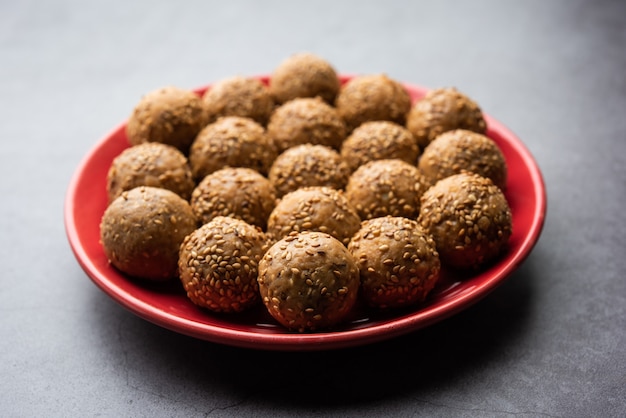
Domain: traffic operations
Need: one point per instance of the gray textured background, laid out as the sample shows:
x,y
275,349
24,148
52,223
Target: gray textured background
x,y
549,342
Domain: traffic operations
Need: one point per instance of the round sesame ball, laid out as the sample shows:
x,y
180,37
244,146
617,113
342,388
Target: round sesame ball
x,y
314,209
308,281
151,164
231,141
306,120
237,192
239,96
461,150
304,75
308,165
386,187
372,97
169,115
142,229
379,140
442,110
218,264
469,219
397,259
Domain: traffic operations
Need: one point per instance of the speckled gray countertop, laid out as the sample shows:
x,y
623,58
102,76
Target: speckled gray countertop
x,y
549,342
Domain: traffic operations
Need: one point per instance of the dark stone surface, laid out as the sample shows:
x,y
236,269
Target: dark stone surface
x,y
549,342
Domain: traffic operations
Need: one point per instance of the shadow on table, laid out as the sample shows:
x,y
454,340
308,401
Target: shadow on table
x,y
413,364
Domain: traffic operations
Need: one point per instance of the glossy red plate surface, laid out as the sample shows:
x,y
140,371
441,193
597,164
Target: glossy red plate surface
x,y
166,304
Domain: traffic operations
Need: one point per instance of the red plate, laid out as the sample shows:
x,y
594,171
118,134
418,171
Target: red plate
x,y
167,306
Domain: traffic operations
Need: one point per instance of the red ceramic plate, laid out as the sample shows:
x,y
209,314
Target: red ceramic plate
x,y
167,306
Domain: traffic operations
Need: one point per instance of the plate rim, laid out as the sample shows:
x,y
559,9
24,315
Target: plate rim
x,y
320,340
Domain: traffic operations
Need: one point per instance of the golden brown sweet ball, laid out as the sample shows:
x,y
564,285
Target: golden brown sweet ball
x,y
306,121
314,209
236,192
469,219
142,230
304,75
386,187
372,97
150,164
169,115
308,165
231,141
398,261
460,150
308,281
379,140
443,110
218,265
239,96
